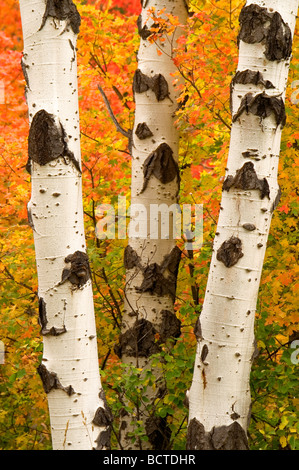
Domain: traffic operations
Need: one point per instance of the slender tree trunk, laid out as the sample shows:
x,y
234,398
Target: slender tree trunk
x,y
69,370
220,391
152,260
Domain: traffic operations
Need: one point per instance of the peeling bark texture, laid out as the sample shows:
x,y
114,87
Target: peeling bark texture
x,y
230,252
154,282
260,25
64,10
43,321
198,330
42,314
24,70
143,131
47,140
50,381
247,179
162,279
279,39
231,437
170,326
263,106
102,417
250,77
158,432
197,438
103,440
131,258
143,31
162,165
158,84
138,341
79,272
103,414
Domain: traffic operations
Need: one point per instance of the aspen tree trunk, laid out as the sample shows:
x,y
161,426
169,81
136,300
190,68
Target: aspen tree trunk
x,y
220,392
150,259
79,416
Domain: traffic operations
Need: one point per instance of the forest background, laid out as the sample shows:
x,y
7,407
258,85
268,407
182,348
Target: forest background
x,y
207,59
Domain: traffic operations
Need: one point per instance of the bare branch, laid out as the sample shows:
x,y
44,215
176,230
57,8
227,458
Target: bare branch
x,y
126,133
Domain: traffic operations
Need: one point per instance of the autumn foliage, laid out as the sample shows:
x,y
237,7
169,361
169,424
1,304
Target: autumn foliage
x,y
207,58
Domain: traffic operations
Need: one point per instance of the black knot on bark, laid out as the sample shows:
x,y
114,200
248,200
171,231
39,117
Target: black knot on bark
x,y
258,25
79,272
230,252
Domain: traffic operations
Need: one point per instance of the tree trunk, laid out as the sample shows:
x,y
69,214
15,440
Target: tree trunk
x,y
151,260
79,416
220,392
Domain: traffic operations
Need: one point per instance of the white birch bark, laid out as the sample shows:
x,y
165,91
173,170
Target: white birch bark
x,y
219,396
79,416
151,259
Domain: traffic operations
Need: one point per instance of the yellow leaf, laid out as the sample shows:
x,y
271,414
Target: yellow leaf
x,y
284,422
283,441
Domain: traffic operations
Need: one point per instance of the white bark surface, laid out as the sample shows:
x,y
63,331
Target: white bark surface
x,y
158,113
159,117
220,390
56,214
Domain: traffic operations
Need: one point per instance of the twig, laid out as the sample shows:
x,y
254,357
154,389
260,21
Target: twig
x,y
126,133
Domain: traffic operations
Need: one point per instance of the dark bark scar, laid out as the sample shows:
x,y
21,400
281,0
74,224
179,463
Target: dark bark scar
x,y
258,25
247,179
50,381
47,141
263,106
161,164
230,252
62,10
79,272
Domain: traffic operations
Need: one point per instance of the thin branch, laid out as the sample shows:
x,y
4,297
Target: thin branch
x,y
17,282
120,129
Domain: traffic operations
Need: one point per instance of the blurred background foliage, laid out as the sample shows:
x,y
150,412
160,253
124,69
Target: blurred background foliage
x,y
207,58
